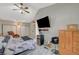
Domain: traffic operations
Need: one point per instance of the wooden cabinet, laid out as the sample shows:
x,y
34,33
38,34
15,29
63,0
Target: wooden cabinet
x,y
62,42
68,42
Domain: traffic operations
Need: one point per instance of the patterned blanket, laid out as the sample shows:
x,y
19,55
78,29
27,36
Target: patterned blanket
x,y
10,46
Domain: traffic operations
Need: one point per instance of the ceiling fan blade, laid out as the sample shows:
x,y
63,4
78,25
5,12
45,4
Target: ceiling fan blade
x,y
15,9
16,5
21,3
27,11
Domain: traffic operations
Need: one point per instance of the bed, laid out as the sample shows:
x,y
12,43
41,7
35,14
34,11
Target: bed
x,y
9,47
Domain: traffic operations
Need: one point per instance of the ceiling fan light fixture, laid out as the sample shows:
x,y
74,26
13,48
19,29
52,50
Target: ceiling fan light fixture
x,y
22,8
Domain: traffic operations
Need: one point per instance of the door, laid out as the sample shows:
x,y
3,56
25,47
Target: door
x,y
76,42
62,42
68,42
65,42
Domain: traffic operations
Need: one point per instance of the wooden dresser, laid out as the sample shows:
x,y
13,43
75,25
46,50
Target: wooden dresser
x,y
69,41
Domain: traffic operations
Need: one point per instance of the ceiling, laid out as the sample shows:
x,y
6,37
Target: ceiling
x,y
6,12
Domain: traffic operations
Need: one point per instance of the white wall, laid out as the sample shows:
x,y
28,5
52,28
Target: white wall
x,y
60,15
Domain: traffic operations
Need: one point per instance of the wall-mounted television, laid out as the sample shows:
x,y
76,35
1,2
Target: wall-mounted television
x,y
43,22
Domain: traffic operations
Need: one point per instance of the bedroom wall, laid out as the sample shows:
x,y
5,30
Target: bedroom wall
x,y
22,30
60,15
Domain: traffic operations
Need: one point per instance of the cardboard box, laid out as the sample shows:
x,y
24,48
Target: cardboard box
x,y
72,27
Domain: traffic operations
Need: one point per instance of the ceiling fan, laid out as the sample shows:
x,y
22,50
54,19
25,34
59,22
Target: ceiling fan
x,y
22,8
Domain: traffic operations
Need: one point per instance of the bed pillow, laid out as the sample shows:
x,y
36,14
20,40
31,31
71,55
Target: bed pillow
x,y
6,39
26,38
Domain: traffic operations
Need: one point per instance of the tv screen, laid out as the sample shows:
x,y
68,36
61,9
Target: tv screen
x,y
43,22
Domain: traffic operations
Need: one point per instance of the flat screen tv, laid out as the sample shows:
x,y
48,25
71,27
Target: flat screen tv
x,y
43,22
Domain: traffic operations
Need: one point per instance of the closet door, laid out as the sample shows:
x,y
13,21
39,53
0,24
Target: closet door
x,y
65,42
68,42
76,42
62,42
